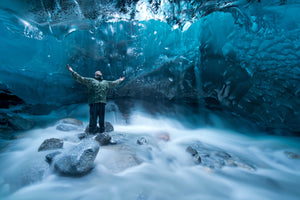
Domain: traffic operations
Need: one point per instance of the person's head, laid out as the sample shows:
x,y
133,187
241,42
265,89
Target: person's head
x,y
98,75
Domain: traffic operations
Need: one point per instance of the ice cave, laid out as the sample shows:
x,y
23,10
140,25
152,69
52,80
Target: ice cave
x,y
206,103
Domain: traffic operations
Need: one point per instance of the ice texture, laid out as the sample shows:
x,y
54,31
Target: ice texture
x,y
238,55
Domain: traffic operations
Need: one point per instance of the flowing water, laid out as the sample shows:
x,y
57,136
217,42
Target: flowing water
x,y
158,169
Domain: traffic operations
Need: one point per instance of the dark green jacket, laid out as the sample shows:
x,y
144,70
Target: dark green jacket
x,y
97,90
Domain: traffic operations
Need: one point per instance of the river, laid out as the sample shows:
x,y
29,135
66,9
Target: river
x,y
160,168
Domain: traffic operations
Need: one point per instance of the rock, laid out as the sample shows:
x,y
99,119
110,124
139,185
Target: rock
x,y
191,150
147,141
49,157
69,124
14,122
117,158
64,127
213,162
231,162
8,99
163,136
215,158
194,153
108,128
119,138
113,141
245,165
291,155
72,121
197,159
50,144
222,154
103,139
79,160
81,135
142,140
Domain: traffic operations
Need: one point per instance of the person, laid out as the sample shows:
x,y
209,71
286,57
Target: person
x,y
97,92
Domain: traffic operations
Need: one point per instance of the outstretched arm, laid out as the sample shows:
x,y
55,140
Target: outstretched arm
x,y
116,82
77,77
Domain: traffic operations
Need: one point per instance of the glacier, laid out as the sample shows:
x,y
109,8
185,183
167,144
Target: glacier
x,y
209,108
241,56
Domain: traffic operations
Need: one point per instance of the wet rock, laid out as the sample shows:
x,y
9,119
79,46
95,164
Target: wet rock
x,y
7,98
191,150
194,153
244,165
50,144
197,159
69,124
78,160
82,135
231,162
72,121
117,158
108,128
49,157
113,141
222,154
14,122
213,162
87,129
142,140
163,136
64,127
103,139
120,137
215,158
291,155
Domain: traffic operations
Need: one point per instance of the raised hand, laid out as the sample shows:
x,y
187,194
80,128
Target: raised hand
x,y
69,68
122,78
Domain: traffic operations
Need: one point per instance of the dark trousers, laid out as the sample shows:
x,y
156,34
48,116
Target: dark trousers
x,y
97,110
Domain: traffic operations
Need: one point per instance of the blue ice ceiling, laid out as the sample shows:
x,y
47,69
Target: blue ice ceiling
x,y
241,56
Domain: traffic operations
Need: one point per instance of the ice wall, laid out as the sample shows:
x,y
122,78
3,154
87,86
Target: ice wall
x,y
241,56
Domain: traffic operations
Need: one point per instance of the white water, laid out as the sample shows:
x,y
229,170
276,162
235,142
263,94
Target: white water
x,y
167,170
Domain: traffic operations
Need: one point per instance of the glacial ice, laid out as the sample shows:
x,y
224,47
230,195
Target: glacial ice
x,y
242,56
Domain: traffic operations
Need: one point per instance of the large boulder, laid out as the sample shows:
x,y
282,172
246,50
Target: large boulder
x,y
78,160
69,124
50,144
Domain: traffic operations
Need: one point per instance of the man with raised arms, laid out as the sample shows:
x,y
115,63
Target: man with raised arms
x,y
97,92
